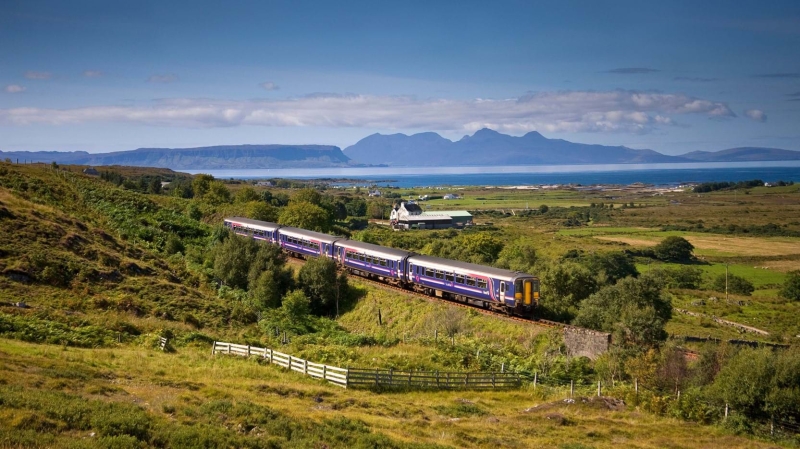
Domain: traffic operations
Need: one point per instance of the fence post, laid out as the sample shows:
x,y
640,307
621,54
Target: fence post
x,y
726,410
571,388
347,378
324,372
466,380
410,373
493,385
535,379
229,348
636,386
305,367
248,350
437,379
679,395
503,367
290,362
598,388
214,348
391,376
376,376
270,356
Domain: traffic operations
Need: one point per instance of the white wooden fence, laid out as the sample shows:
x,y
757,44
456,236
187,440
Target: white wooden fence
x,y
354,377
334,375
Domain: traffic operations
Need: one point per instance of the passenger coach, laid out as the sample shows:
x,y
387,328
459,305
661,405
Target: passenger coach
x,y
488,287
259,230
369,260
301,242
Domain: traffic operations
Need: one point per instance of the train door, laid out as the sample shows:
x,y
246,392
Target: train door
x,y
502,292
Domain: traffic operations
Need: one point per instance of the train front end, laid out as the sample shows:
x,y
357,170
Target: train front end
x,y
526,295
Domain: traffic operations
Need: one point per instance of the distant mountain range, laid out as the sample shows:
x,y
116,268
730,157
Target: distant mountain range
x,y
216,157
484,148
488,147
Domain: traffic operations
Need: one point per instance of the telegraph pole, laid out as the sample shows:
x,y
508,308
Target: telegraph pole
x,y
726,281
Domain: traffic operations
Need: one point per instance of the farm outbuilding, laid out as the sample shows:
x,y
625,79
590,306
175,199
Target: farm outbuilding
x,y
460,218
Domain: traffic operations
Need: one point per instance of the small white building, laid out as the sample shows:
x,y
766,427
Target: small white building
x,y
410,216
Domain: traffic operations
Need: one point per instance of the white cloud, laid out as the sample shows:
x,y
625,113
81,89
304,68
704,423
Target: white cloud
x,y
15,88
163,78
269,86
756,114
33,75
569,111
93,73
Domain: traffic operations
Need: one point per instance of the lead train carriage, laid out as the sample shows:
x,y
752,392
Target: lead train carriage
x,y
509,291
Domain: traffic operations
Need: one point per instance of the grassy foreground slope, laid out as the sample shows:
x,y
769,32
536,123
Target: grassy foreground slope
x,y
130,396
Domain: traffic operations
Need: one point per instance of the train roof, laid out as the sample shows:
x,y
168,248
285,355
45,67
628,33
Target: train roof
x,y
256,224
465,267
374,249
311,235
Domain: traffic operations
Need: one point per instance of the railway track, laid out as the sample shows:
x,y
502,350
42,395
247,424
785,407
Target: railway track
x,y
535,322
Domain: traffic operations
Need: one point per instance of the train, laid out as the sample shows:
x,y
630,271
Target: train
x,y
507,291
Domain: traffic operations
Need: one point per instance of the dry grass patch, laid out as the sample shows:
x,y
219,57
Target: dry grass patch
x,y
742,246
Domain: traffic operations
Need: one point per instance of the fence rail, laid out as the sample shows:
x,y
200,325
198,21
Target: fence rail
x,y
358,377
435,379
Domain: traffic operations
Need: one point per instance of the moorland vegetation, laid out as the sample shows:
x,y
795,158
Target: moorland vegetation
x,y
112,263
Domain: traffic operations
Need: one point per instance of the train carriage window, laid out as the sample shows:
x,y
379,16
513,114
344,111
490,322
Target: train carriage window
x,y
502,287
383,262
470,281
369,260
481,283
460,278
448,277
429,272
439,275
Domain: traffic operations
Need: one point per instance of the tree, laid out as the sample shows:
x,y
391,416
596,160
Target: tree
x,y
307,216
259,210
307,195
263,257
217,193
791,287
736,284
610,267
154,186
674,248
200,184
323,285
357,208
232,261
564,286
270,285
181,188
519,255
635,310
682,277
543,209
296,305
246,195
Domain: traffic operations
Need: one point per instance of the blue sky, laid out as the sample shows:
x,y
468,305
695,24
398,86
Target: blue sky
x,y
670,76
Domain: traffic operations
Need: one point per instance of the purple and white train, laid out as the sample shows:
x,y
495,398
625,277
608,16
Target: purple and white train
x,y
493,288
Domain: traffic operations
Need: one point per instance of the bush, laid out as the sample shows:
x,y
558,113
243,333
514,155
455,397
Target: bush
x,y
674,248
736,284
791,288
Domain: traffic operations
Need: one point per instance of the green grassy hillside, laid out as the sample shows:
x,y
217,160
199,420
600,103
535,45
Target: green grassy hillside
x,y
104,269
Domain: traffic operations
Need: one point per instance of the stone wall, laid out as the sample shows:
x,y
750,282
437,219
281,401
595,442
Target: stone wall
x,y
585,343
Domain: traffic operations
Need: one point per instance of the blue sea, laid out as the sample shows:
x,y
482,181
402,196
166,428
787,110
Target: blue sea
x,y
657,174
